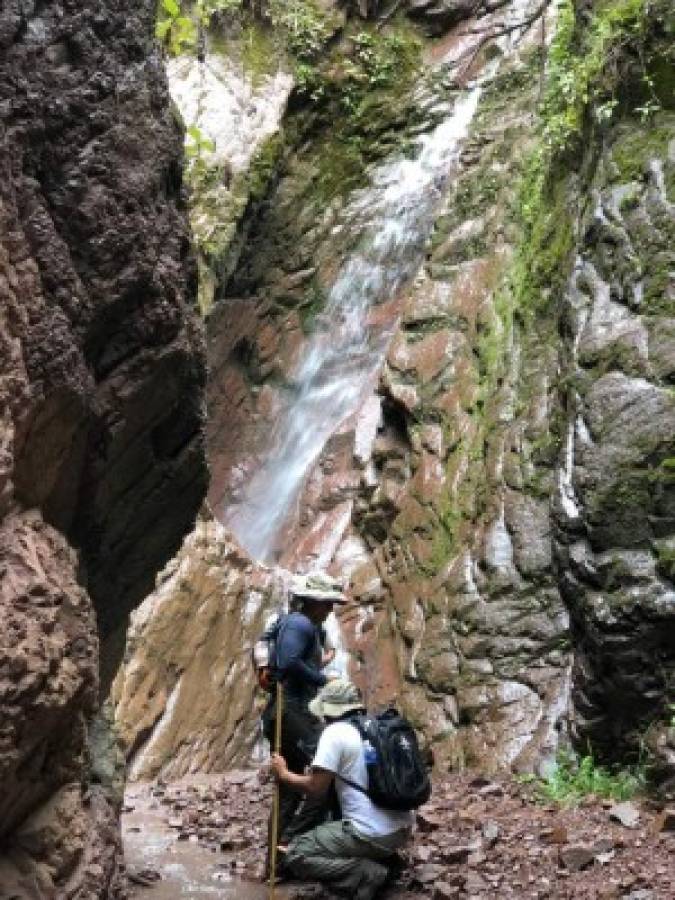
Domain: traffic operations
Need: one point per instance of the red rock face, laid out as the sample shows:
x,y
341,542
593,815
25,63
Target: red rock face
x,y
48,635
107,368
407,500
101,373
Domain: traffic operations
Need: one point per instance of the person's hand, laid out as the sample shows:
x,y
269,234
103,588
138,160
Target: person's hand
x,y
328,657
278,766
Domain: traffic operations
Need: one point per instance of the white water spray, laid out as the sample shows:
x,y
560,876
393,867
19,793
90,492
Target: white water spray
x,y
391,219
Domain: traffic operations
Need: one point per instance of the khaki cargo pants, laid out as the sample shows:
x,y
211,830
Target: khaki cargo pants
x,y
345,860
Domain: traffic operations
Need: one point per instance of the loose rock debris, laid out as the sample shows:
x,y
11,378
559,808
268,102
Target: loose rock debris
x,y
475,838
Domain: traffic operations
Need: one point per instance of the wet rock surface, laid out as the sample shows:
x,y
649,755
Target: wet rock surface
x,y
478,837
432,499
500,501
101,377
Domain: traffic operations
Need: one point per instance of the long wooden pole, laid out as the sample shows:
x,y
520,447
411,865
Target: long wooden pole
x,y
276,802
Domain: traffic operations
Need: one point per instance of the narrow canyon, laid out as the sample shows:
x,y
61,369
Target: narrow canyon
x,y
379,288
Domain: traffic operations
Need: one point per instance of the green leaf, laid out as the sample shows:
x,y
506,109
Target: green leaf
x,y
171,7
162,29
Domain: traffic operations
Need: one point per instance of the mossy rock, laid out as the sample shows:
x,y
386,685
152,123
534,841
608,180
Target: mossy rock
x,y
636,144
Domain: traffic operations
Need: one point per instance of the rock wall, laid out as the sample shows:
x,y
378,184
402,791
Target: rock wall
x,y
617,530
433,498
464,563
191,705
102,464
501,501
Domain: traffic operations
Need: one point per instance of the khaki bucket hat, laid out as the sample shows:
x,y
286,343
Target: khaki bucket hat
x,y
336,698
317,586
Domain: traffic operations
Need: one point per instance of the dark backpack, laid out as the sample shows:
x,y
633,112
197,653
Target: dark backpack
x,y
397,776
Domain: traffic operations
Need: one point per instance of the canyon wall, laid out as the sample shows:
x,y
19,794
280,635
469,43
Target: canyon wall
x,y
500,499
102,467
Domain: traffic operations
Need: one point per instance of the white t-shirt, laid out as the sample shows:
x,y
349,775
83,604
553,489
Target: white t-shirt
x,y
341,751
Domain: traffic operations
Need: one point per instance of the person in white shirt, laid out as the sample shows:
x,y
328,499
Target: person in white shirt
x,y
351,854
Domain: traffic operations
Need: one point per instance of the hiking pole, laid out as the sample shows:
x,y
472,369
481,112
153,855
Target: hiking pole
x,y
277,799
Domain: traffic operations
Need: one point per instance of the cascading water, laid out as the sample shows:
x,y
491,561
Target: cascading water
x,y
392,220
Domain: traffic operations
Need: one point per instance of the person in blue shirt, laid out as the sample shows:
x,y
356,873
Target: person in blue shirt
x,y
299,661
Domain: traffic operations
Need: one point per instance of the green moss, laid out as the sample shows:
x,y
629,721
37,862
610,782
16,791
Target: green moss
x,y
365,112
665,474
253,47
636,146
259,54
619,513
342,166
582,70
542,262
493,338
666,562
630,200
312,304
619,356
264,165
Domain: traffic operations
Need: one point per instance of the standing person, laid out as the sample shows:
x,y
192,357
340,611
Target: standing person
x,y
350,855
299,659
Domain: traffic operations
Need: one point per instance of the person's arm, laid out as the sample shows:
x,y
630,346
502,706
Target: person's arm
x,y
292,644
315,783
327,649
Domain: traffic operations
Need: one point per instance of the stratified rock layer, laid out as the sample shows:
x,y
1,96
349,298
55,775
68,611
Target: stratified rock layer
x,y
618,524
106,392
185,696
101,372
501,502
516,470
433,498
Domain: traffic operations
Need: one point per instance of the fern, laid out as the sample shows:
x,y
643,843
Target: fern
x,y
572,779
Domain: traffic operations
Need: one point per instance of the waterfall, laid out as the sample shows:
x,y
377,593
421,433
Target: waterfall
x,y
391,220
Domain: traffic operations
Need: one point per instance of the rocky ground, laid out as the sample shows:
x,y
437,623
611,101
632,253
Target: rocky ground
x,y
477,837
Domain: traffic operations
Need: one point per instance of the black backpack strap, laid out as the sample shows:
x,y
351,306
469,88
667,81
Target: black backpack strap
x,y
352,784
356,720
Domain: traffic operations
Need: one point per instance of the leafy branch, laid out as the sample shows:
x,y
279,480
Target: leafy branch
x,y
198,143
179,31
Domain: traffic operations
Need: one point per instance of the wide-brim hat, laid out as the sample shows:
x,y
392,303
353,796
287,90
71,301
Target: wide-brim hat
x,y
336,698
317,586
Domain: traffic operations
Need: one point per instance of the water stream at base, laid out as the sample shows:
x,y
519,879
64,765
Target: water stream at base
x,y
187,869
390,222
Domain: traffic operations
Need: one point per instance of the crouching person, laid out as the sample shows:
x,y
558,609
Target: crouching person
x,y
350,855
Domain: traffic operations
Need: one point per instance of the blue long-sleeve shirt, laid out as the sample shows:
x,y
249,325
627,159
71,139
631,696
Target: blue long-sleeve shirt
x,y
298,652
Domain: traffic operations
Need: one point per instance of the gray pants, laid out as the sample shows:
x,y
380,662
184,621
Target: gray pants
x,y
349,862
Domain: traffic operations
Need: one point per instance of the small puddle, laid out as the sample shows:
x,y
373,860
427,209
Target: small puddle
x,y
186,868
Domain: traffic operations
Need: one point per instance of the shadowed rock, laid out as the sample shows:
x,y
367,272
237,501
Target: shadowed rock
x,y
101,377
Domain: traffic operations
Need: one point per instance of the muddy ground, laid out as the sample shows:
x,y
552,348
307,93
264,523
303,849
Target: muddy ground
x,y
477,837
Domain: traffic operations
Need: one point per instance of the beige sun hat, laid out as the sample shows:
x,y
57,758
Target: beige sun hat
x,y
317,586
336,698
